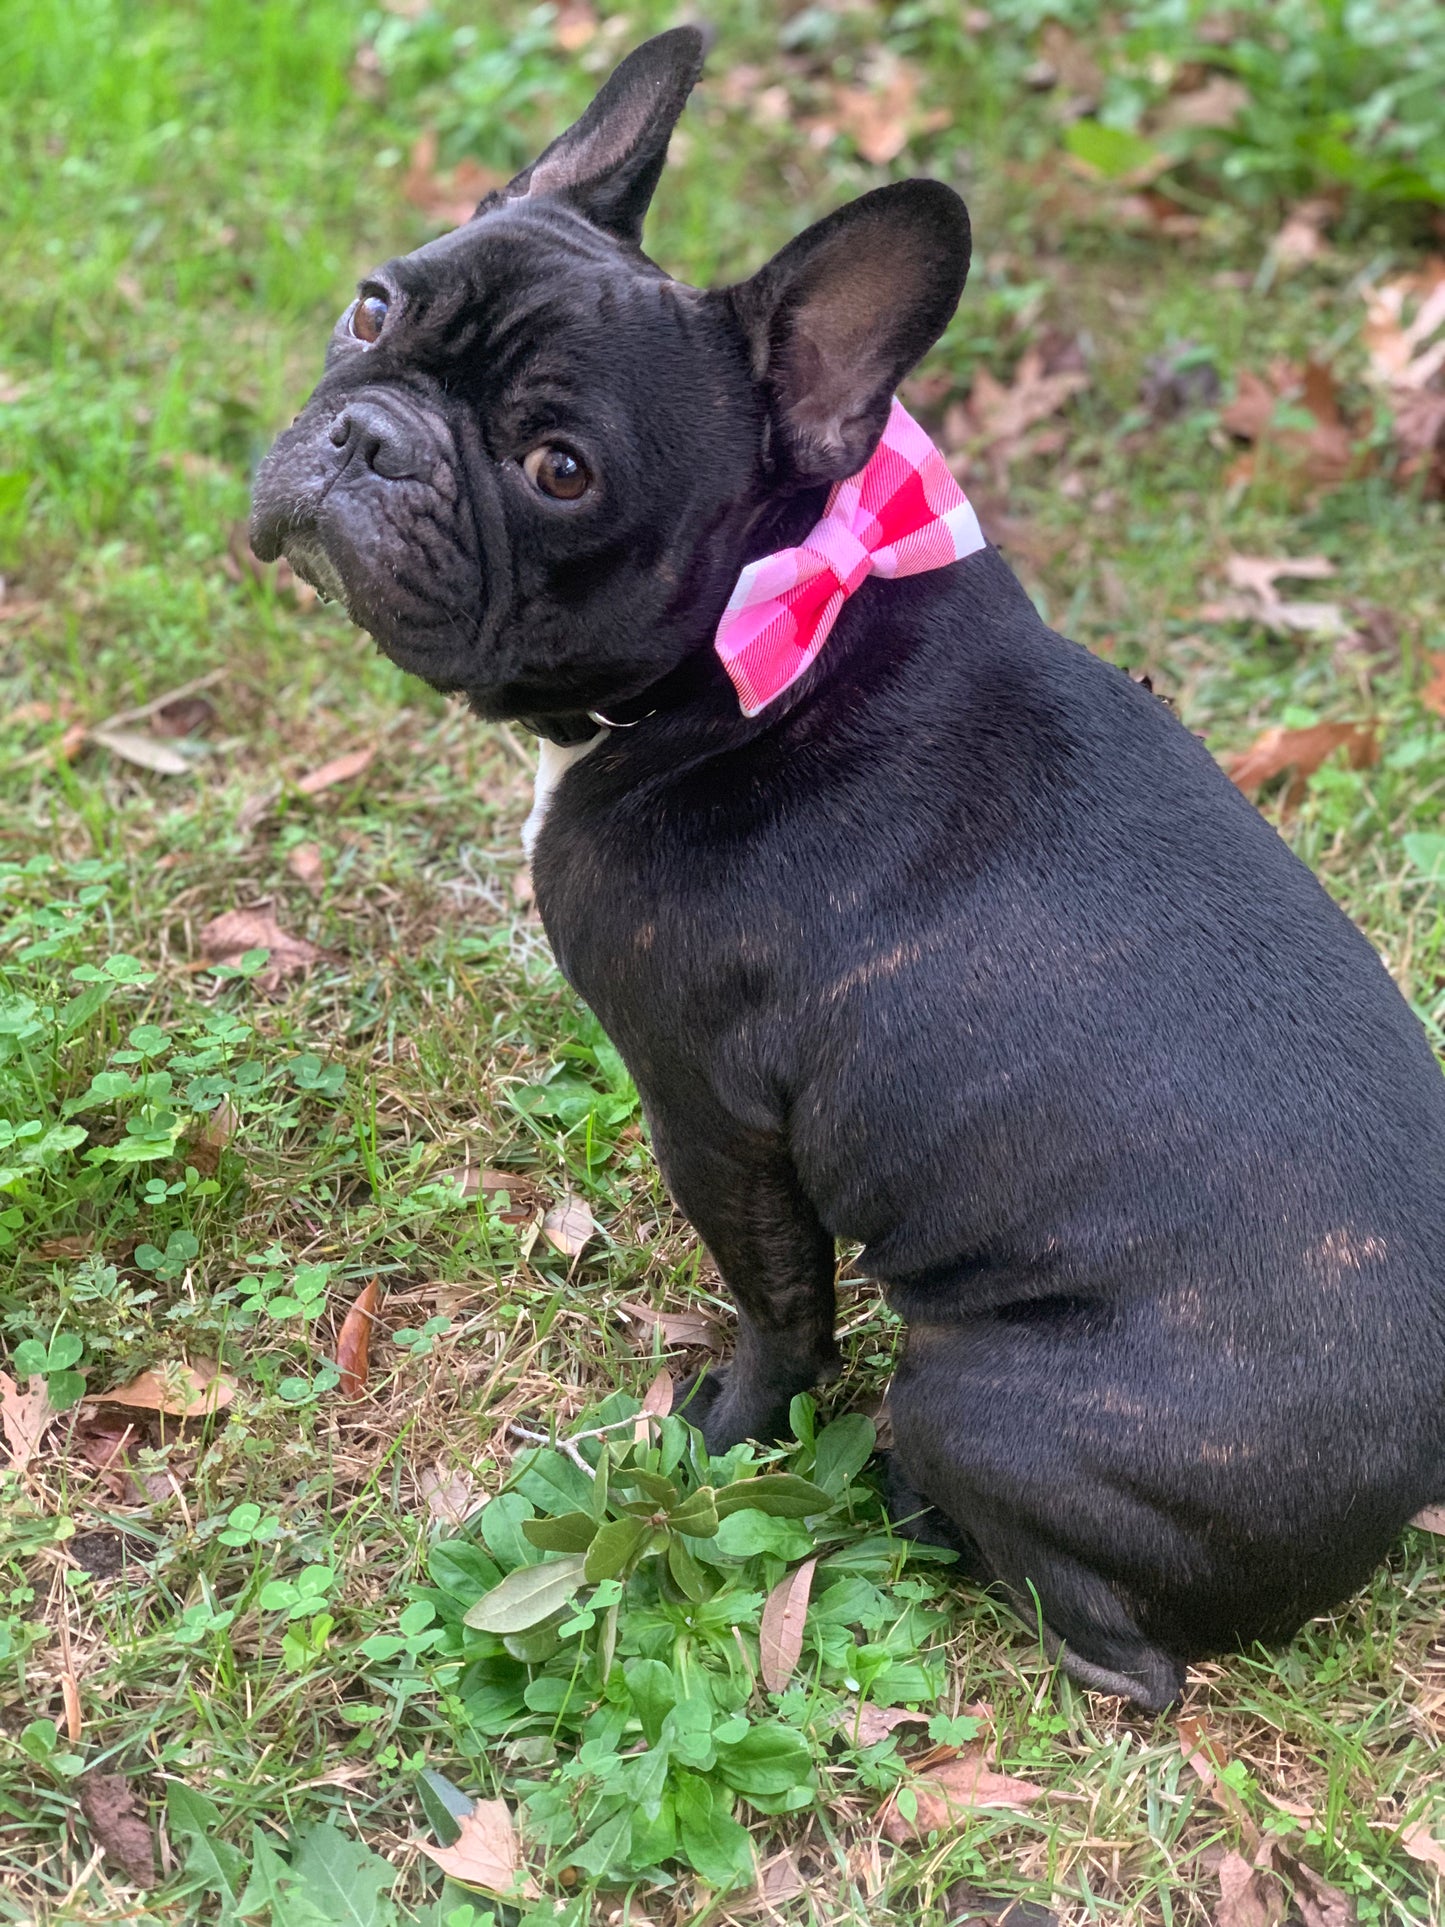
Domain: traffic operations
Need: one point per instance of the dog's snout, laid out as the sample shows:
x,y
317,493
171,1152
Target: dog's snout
x,y
367,432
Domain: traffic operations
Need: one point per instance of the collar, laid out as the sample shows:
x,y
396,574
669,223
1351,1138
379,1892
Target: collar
x,y
901,514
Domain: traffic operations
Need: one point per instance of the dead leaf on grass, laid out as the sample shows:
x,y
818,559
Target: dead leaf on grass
x,y
183,716
1260,601
486,1853
451,1497
341,769
183,1389
999,419
116,1816
780,1640
880,117
575,25
308,866
353,1343
680,1330
447,198
1302,751
1217,102
1430,1518
146,752
656,1403
1421,1845
866,1725
967,1903
569,1225
1249,1896
66,1249
204,1149
953,1788
24,1418
521,1193
227,938
1302,237
1264,412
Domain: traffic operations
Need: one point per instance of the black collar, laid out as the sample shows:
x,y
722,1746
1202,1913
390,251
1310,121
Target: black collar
x,y
685,683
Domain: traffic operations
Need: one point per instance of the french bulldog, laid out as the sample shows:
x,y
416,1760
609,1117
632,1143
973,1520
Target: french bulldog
x,y
962,949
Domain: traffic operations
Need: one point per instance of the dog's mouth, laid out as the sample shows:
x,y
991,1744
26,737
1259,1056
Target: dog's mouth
x,y
365,504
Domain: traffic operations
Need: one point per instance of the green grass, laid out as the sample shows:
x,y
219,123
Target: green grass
x,y
188,194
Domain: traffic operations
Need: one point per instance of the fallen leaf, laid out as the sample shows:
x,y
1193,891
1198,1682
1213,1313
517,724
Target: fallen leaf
x,y
881,116
575,25
1249,1896
1203,1758
656,1403
1302,237
205,1148
1316,1902
955,1787
1219,102
227,938
448,199
780,1640
306,864
353,1343
66,1249
24,1417
185,1389
341,769
867,1724
521,1192
117,1820
780,1879
183,716
1324,454
450,1496
486,1853
1256,576
681,1330
1303,751
146,752
967,1903
569,1225
998,418
1421,1845
1430,1519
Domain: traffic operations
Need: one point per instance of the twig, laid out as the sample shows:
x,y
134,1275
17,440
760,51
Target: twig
x,y
510,742
161,702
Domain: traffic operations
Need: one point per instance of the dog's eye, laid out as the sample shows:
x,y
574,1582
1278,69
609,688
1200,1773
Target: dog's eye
x,y
368,317
557,472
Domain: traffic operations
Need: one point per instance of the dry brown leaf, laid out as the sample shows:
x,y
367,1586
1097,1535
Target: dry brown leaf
x,y
24,1417
227,938
308,866
146,752
1323,455
449,199
1249,1896
341,769
866,1725
1204,1759
1421,1845
785,1612
69,1247
182,1390
575,25
117,1820
1302,237
1256,576
569,1225
680,1330
521,1192
486,1853
1217,103
1406,353
1303,751
183,716
450,1496
656,1403
353,1343
205,1148
881,117
947,1791
1430,1518
1000,418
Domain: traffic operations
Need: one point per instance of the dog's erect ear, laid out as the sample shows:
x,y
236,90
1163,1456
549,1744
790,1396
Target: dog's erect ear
x,y
607,165
837,319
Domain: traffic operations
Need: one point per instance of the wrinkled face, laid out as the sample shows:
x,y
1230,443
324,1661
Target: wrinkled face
x,y
529,468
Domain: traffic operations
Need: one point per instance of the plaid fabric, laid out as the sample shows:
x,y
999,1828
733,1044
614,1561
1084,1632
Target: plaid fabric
x,y
900,514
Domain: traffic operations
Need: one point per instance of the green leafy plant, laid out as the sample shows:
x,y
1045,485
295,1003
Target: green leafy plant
x,y
54,1363
607,1621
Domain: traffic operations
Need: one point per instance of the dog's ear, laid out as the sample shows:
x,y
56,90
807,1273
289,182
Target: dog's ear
x,y
837,319
608,163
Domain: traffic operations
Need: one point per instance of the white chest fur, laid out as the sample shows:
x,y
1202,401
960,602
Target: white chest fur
x,y
553,762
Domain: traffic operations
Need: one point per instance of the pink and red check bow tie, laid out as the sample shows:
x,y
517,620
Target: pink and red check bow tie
x,y
900,514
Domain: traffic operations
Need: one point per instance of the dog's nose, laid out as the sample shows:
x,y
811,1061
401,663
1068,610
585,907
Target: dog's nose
x,y
370,433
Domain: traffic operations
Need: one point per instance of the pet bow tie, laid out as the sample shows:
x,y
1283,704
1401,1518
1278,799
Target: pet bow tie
x,y
900,514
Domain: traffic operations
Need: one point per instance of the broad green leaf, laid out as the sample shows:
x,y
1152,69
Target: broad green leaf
x,y
654,1693
500,1524
697,1515
462,1569
782,1494
606,1850
348,1881
615,1544
746,1533
713,1841
553,1482
686,1572
843,1449
443,1804
771,1758
661,1491
273,1885
211,1862
65,1389
1111,151
573,1532
529,1595
1427,852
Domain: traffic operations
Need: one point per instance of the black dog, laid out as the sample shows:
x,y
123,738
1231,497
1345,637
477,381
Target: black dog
x,y
963,949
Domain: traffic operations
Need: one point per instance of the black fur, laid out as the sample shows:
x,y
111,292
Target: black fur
x,y
964,950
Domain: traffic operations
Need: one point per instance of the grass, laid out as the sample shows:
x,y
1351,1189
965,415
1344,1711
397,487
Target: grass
x,y
189,193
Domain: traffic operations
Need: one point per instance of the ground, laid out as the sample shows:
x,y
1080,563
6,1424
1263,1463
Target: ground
x,y
1177,352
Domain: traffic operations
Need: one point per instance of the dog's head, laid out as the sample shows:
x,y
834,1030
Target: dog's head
x,y
534,464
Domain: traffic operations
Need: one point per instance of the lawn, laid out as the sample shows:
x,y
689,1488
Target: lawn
x,y
277,1018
